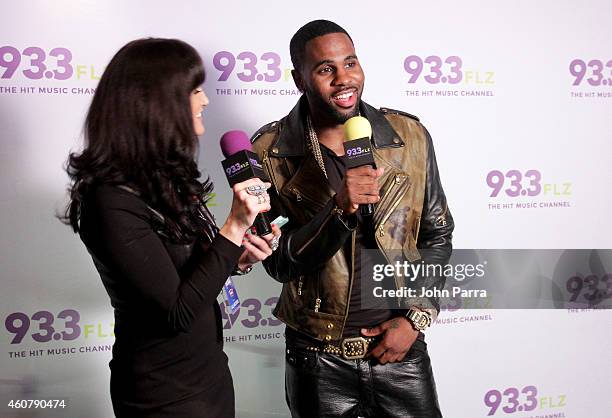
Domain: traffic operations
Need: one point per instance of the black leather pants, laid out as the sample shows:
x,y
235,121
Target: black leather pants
x,y
326,385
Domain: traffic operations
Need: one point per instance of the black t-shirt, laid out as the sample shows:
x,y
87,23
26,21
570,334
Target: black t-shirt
x,y
358,317
365,245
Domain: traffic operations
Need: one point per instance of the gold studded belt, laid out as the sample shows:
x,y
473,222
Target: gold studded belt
x,y
350,348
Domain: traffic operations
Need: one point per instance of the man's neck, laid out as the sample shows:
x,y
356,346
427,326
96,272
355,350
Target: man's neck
x,y
332,137
330,134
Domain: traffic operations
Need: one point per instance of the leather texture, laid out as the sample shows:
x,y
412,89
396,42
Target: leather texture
x,y
326,385
412,215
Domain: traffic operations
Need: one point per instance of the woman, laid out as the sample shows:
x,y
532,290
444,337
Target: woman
x,y
140,210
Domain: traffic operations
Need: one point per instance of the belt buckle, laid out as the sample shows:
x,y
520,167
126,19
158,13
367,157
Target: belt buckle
x,y
354,348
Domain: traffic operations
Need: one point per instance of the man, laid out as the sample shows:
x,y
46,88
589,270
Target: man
x,y
344,359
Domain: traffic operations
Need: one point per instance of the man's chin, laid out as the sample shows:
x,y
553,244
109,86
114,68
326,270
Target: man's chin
x,y
342,115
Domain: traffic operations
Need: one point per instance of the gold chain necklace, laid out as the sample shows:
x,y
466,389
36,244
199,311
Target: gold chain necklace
x,y
314,146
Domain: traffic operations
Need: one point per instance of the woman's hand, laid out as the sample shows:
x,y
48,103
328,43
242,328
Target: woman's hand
x,y
258,248
250,198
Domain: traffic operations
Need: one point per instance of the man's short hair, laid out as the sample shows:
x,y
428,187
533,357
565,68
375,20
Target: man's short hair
x,y
311,30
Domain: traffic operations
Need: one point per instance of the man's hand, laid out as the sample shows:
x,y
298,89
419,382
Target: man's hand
x,y
360,186
398,337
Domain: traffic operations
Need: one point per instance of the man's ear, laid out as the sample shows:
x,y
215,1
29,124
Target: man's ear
x,y
297,79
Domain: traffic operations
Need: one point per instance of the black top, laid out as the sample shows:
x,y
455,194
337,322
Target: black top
x,y
378,310
358,316
168,336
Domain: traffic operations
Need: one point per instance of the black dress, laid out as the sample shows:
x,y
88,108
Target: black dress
x,y
168,355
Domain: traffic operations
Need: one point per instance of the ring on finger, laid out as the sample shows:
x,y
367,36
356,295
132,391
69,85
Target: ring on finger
x,y
256,190
274,243
255,187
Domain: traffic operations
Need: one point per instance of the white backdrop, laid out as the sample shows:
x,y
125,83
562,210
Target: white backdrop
x,y
524,90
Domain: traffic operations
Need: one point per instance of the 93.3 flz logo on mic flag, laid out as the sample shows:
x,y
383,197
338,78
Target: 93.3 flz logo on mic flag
x,y
242,166
358,152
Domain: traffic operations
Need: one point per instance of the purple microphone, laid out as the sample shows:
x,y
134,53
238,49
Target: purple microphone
x,y
234,141
241,164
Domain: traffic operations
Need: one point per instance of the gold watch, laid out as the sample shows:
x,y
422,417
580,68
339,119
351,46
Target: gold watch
x,y
419,319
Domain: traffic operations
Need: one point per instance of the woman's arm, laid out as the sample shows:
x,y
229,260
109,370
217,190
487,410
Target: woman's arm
x,y
128,245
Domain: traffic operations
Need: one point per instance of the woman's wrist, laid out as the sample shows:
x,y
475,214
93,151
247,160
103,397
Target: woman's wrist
x,y
233,231
243,268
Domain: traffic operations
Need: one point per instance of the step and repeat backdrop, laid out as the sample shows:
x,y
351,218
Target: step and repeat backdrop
x,y
517,96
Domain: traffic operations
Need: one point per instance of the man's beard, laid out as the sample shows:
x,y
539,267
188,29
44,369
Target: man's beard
x,y
343,117
331,113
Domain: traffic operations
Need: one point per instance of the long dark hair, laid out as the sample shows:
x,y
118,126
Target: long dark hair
x,y
139,133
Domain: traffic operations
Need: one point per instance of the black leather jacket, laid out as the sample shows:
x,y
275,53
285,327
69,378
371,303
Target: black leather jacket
x,y
412,215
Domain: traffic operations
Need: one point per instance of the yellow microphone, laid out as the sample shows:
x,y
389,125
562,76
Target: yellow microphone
x,y
358,150
357,127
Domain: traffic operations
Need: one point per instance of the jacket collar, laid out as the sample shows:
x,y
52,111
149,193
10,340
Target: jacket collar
x,y
292,139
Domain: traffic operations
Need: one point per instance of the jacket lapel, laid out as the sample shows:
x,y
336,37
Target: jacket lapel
x,y
308,185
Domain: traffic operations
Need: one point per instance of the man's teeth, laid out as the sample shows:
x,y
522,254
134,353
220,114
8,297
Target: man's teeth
x,y
344,96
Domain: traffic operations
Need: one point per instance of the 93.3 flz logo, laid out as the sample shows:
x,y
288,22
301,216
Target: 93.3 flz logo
x,y
444,70
511,400
37,63
248,66
252,313
523,189
515,183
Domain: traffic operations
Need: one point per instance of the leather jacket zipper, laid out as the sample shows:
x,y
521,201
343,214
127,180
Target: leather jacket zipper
x,y
297,194
388,190
352,277
417,229
268,165
441,220
333,212
387,211
301,197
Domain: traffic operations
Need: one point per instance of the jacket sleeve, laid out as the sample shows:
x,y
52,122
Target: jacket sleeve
x,y
436,229
304,249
